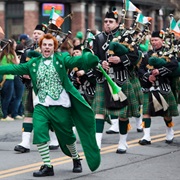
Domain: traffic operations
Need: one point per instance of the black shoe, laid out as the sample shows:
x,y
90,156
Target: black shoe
x,y
21,149
139,129
52,147
121,151
111,132
144,142
44,171
169,141
77,168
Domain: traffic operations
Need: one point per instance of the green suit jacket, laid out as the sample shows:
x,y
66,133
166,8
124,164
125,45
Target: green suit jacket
x,y
82,114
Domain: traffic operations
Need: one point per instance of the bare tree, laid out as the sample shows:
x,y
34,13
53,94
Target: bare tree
x,y
177,8
176,3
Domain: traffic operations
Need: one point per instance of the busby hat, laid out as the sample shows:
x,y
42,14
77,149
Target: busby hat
x,y
41,28
112,14
78,47
158,34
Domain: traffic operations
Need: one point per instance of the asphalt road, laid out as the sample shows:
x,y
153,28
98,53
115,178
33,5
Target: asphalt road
x,y
153,162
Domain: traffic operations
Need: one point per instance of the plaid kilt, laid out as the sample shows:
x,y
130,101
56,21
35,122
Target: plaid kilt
x,y
27,113
172,109
131,110
137,89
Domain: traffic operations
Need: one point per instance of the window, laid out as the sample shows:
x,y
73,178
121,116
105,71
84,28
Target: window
x,y
14,19
86,16
98,18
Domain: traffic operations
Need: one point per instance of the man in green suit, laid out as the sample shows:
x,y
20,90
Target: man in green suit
x,y
59,105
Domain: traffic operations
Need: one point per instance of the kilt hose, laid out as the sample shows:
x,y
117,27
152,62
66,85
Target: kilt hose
x,y
130,110
137,88
170,99
1,113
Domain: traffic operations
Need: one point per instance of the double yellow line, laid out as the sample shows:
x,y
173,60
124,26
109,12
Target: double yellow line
x,y
133,143
65,159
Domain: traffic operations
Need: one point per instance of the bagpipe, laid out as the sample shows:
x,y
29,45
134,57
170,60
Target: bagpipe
x,y
87,82
131,37
114,97
170,52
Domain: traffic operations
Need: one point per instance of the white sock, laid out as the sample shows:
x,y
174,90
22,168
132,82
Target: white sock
x,y
169,133
138,123
53,139
146,134
99,139
115,125
123,142
26,138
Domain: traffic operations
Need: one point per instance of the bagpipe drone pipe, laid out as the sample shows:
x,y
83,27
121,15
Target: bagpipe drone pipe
x,y
114,97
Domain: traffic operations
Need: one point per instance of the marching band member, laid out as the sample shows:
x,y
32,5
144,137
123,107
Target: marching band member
x,y
116,68
158,96
85,82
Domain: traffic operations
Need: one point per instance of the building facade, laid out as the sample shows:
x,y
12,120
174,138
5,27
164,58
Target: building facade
x,y
22,16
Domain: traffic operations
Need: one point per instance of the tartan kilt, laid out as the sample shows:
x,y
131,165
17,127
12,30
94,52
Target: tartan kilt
x,y
170,99
27,113
131,110
88,99
137,89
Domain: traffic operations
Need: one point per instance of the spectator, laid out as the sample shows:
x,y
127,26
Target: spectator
x,y
8,56
76,41
16,102
80,36
23,38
